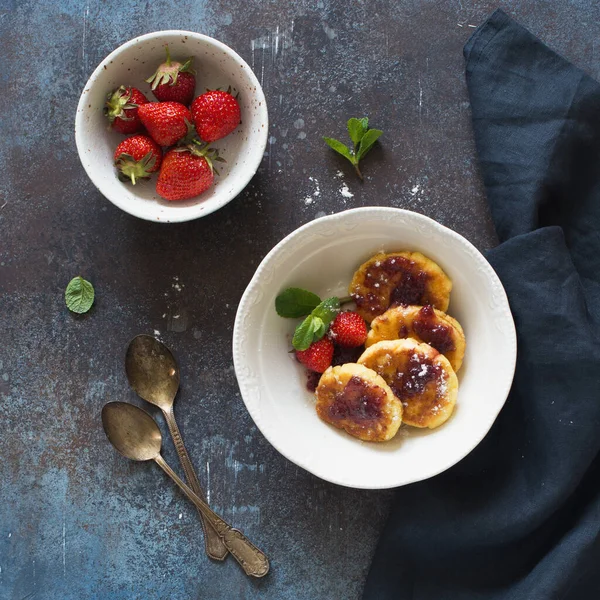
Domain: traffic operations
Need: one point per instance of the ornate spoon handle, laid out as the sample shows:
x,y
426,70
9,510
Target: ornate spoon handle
x,y
215,547
253,561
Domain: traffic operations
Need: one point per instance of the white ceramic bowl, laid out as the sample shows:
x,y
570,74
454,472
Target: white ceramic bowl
x,y
322,257
216,66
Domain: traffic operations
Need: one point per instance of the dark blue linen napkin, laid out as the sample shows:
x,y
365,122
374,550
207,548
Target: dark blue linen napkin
x,y
519,518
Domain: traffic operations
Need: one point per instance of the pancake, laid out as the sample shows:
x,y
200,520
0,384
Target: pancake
x,y
398,278
356,399
424,324
419,376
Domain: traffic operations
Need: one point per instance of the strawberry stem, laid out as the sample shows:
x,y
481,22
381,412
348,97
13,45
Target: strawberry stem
x,y
131,170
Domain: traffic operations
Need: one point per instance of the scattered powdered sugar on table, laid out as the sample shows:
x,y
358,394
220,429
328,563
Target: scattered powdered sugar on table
x,y
315,194
344,191
176,285
317,191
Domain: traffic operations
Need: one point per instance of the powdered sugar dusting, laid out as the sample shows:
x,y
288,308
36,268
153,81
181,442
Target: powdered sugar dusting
x,y
310,198
442,385
345,191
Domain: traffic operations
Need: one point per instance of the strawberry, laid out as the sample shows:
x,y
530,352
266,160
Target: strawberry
x,y
317,357
122,109
186,172
166,122
348,330
137,157
174,81
216,114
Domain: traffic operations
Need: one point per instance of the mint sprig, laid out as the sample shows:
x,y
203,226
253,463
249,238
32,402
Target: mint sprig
x,y
295,302
363,139
316,324
79,295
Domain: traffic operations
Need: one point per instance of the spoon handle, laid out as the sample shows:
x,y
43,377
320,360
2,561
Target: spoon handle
x,y
253,561
215,548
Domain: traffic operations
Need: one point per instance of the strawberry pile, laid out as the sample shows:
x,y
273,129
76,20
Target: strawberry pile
x,y
326,336
171,136
342,343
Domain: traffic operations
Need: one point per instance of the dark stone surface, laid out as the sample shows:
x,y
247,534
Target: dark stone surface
x,y
78,521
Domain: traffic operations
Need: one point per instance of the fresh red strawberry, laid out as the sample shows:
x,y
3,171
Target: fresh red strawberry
x,y
186,172
166,122
349,330
122,109
174,81
317,357
137,157
216,114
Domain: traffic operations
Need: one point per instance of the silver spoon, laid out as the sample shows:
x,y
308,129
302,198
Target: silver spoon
x,y
153,373
135,434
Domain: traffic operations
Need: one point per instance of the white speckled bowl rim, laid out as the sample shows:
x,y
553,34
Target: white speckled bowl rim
x,y
267,282
195,208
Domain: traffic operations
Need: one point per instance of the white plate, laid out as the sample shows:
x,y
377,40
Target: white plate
x,y
321,257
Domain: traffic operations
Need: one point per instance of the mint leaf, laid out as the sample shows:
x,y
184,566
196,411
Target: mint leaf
x,y
315,326
367,142
356,130
304,334
339,148
327,310
320,328
363,139
79,295
295,302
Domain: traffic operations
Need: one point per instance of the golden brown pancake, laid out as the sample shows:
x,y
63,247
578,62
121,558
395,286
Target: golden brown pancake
x,y
356,399
424,324
398,278
420,377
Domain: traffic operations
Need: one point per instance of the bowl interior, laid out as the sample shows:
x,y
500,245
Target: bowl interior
x,y
216,66
322,257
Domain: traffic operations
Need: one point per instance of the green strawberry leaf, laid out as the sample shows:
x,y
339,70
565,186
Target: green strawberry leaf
x,y
339,148
365,123
367,142
304,334
356,130
295,302
79,295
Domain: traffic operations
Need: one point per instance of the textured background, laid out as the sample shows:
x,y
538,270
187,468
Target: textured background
x,y
78,521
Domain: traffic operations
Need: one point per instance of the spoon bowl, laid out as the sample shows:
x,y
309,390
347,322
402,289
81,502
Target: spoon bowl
x,y
133,432
152,371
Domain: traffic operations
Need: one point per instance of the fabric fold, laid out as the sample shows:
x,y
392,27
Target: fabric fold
x,y
519,518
